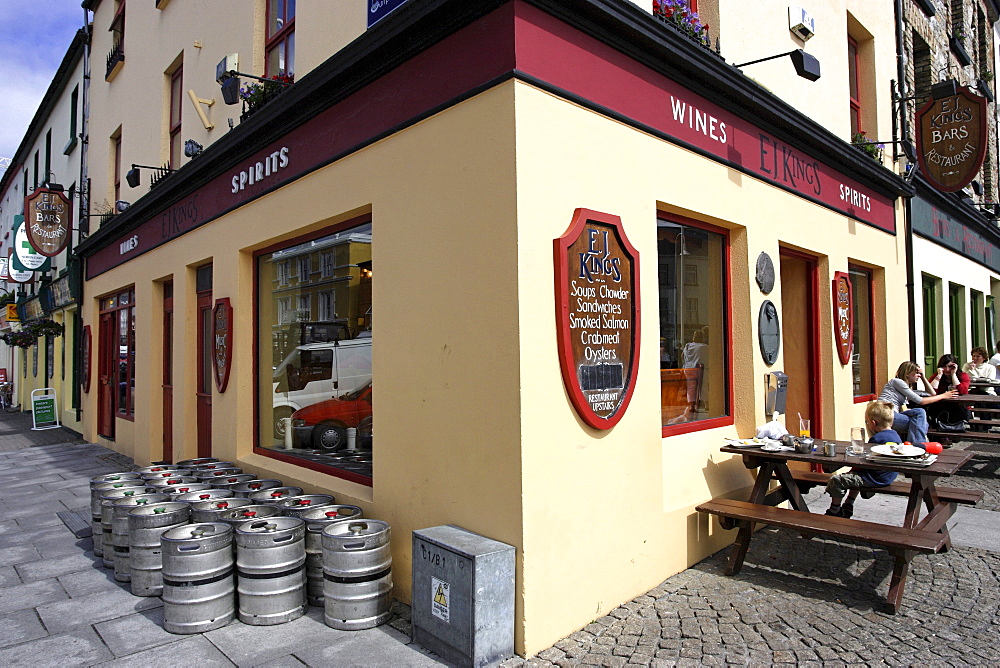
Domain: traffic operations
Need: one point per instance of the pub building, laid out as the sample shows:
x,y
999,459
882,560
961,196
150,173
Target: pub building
x,y
588,238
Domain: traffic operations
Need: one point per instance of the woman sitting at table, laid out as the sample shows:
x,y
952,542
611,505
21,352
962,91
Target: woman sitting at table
x,y
979,368
899,392
947,378
878,419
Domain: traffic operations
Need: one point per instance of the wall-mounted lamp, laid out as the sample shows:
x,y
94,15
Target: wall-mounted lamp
x,y
231,85
132,176
943,89
192,148
806,65
121,205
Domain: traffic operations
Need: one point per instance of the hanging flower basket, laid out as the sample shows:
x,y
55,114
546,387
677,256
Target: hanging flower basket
x,y
31,331
46,327
679,14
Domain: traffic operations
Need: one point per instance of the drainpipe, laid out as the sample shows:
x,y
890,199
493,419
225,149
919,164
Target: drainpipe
x,y
83,193
907,221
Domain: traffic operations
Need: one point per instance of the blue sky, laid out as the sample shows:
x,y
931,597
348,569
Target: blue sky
x,y
34,36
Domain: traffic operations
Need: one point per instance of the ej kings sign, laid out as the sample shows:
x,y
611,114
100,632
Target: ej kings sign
x,y
597,316
48,221
951,141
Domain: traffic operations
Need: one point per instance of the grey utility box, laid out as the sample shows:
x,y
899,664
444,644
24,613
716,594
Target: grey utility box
x,y
463,596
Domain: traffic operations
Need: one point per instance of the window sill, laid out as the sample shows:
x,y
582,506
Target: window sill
x,y
697,425
160,4
927,7
314,466
863,398
960,53
70,145
127,418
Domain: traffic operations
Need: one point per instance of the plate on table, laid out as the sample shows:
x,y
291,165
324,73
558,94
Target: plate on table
x,y
897,450
745,442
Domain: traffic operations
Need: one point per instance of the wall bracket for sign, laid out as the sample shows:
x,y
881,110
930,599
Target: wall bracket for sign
x,y
597,316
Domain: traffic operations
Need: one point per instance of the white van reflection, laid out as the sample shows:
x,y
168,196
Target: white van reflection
x,y
316,372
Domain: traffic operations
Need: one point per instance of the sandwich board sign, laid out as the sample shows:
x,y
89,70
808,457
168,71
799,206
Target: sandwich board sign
x,y
43,409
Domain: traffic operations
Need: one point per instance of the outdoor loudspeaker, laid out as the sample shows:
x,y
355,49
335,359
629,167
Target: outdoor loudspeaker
x,y
132,178
806,65
231,90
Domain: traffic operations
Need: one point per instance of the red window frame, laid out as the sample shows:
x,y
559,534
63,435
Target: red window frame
x,y
283,38
176,94
854,85
119,304
118,23
728,419
118,167
871,357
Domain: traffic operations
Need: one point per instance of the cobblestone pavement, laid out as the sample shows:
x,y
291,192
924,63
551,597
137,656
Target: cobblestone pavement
x,y
811,604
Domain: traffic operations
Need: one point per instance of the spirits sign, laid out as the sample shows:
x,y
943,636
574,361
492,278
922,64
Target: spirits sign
x,y
222,342
597,316
951,141
843,315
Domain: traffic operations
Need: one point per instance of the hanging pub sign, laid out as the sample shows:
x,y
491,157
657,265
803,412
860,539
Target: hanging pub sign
x,y
597,316
17,275
26,257
85,359
222,342
951,139
48,218
843,315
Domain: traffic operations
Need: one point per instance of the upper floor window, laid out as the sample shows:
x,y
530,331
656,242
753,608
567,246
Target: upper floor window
x,y
176,143
74,103
116,150
303,269
118,25
280,46
283,273
326,265
855,94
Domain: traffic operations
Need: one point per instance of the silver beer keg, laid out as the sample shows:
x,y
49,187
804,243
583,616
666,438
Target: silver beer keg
x,y
120,509
316,520
204,474
199,461
145,526
204,495
275,494
357,574
184,488
229,481
245,489
198,585
157,468
209,511
98,486
172,473
294,506
270,570
103,533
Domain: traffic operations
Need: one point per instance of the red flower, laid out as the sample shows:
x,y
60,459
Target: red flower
x,y
668,12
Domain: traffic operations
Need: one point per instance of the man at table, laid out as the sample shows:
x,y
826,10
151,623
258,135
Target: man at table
x,y
878,418
995,360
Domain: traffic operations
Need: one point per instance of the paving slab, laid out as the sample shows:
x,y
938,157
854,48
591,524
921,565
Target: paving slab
x,y
380,646
41,569
8,577
135,633
85,610
31,595
57,547
18,554
284,662
36,522
191,651
21,626
29,535
81,647
84,583
250,645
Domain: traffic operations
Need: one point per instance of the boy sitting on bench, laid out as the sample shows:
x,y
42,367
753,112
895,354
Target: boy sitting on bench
x,y
878,419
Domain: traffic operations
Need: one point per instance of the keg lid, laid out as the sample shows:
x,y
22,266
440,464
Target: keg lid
x,y
115,494
116,477
306,500
130,501
355,528
220,504
200,531
159,508
231,479
249,512
197,461
275,493
269,525
335,513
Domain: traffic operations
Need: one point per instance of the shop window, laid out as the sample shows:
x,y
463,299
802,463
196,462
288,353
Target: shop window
x,y
315,376
174,126
863,351
694,330
280,46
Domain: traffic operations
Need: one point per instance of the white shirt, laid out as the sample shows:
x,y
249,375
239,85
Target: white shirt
x,y
995,360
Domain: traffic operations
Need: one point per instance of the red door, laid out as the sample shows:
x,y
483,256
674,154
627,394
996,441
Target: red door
x,y
800,339
107,371
168,362
204,385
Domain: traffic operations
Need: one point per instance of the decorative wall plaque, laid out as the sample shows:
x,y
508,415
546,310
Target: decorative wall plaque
x,y
48,218
85,361
951,139
768,332
222,342
843,315
765,273
597,316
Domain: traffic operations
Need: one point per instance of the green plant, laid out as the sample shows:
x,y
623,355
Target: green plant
x,y
31,331
678,12
867,146
258,93
986,74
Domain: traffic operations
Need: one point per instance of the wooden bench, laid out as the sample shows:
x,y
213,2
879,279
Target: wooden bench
x,y
964,435
893,537
807,480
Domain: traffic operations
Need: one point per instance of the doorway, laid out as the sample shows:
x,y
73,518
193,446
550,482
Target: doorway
x,y
203,388
106,373
799,338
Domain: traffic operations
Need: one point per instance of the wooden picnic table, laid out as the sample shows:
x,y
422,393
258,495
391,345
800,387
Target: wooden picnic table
x,y
986,415
928,535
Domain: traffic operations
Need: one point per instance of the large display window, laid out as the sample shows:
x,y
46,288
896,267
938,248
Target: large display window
x,y
694,331
314,343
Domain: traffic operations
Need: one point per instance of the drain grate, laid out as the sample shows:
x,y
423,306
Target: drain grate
x,y
77,521
990,448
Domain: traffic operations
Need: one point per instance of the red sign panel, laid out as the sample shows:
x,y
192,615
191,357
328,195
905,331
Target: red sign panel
x,y
222,342
843,315
85,361
951,139
48,220
597,316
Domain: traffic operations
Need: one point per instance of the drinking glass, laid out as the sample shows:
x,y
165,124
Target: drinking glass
x,y
857,441
804,427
